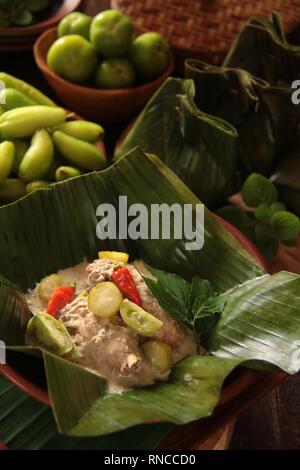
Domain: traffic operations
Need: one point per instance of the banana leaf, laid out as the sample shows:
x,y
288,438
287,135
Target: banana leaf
x,y
197,381
29,425
199,148
257,324
286,176
264,115
262,49
12,300
56,227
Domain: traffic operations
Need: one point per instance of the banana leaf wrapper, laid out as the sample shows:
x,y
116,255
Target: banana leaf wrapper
x,y
262,49
199,148
56,227
264,115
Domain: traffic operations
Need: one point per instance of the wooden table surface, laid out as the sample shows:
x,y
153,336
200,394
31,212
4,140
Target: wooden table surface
x,y
274,421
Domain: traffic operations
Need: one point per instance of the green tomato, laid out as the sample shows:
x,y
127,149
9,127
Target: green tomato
x,y
104,300
75,23
44,330
159,355
111,33
72,57
48,285
150,54
115,73
138,319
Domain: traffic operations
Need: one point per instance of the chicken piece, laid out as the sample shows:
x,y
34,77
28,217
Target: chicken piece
x,y
108,347
101,270
178,337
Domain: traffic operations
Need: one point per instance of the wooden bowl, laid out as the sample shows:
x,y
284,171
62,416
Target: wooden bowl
x,y
241,391
107,106
18,38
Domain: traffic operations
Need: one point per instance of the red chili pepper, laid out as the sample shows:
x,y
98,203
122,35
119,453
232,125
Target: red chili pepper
x,y
60,298
125,283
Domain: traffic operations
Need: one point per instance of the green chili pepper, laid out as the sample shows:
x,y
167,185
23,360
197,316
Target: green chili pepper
x,y
39,184
38,158
12,99
78,152
21,147
7,157
11,190
28,90
23,122
50,175
84,130
65,172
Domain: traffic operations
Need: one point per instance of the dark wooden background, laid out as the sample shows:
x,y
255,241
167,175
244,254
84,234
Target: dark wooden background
x,y
273,423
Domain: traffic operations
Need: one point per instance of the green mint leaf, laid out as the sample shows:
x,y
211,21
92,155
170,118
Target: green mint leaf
x,y
286,225
258,189
263,212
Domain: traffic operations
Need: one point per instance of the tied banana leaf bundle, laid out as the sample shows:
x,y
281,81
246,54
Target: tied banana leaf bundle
x,y
199,148
262,49
59,229
264,115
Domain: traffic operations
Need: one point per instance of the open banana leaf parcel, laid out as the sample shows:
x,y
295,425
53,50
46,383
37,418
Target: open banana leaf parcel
x,y
55,228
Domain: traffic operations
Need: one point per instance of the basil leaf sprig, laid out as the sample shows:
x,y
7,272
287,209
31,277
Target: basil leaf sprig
x,y
197,304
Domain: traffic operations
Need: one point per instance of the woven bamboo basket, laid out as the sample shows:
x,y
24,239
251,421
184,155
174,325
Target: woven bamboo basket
x,y
203,29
